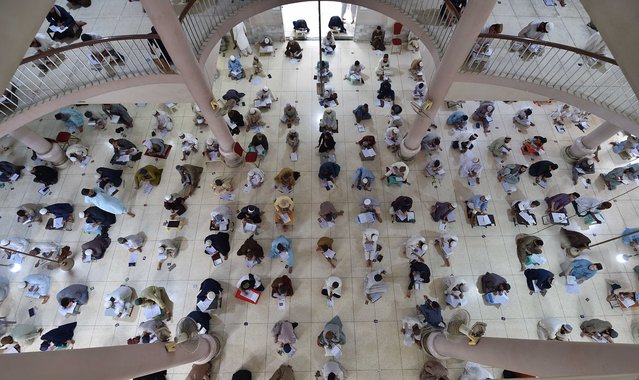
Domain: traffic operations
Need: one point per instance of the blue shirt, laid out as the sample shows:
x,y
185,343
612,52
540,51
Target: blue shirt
x,y
478,203
580,269
283,240
75,118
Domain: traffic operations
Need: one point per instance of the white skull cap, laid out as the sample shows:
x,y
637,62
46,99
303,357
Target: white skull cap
x,y
161,249
210,141
265,88
253,110
43,211
4,242
81,214
549,26
208,243
167,198
97,176
232,58
367,202
365,181
88,252
490,108
488,197
211,296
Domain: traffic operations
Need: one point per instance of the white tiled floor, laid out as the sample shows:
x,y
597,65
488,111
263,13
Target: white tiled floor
x,y
367,355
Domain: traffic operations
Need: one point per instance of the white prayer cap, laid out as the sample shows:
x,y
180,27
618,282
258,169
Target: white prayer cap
x,y
88,252
4,242
97,176
490,108
167,198
395,130
267,40
253,110
290,38
365,181
22,285
453,244
232,58
107,304
28,168
210,141
367,202
476,160
464,288
487,197
211,296
208,243
81,214
421,64
549,26
385,78
161,249
265,88
590,162
43,211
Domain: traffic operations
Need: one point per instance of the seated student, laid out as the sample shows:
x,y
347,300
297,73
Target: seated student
x,y
328,43
59,210
412,330
286,179
582,167
258,68
98,217
558,202
109,179
580,269
329,96
44,174
377,39
419,274
76,293
96,248
431,143
400,208
118,110
222,185
542,170
335,23
28,213
522,118
9,172
553,329
415,248
326,142
259,143
454,289
598,330
119,300
78,153
162,123
301,26
458,120
332,335
133,242
416,69
614,178
328,122
585,206
266,45
155,147
528,246
499,147
383,67
61,18
290,116
534,146
210,290
441,211
255,178
281,287
167,248
250,281
432,313
484,115
325,247
363,179
538,279
264,98
523,205
332,288
361,113
250,214
370,204
175,204
284,211
124,151
477,205
236,71
626,149
217,243
509,176
236,121
397,173
58,338
471,169
419,92
283,333
494,283
149,174
189,145
202,320
392,139
282,248
155,295
374,286
434,370
293,49
355,73
252,252
293,140
447,244
328,171
385,92
434,170
371,248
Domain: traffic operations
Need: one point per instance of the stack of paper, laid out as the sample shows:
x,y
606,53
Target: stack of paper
x,y
366,217
483,220
368,152
558,217
329,254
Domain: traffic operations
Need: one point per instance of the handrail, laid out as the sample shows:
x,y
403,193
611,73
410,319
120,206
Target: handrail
x,y
186,9
57,72
451,7
64,48
550,44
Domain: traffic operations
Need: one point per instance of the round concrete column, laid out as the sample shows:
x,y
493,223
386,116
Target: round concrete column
x,y
587,145
466,31
45,149
163,17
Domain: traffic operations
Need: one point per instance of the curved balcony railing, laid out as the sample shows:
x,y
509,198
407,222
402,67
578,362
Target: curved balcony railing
x,y
200,18
590,76
51,74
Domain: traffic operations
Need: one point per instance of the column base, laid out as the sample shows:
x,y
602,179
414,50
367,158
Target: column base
x,y
406,153
428,344
576,151
56,156
231,159
215,347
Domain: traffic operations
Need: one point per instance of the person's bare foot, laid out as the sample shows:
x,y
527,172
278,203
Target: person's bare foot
x,y
132,215
369,263
159,266
44,299
290,269
447,262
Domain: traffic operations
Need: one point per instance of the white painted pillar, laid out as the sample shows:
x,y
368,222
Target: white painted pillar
x,y
44,148
587,145
168,27
468,28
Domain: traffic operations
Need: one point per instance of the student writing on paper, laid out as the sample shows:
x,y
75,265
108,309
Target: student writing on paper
x,y
124,151
255,178
432,312
236,71
73,294
9,172
553,329
282,287
325,247
542,170
133,242
528,245
217,243
483,115
78,153
286,179
454,290
361,113
591,206
374,285
431,142
494,283
332,288
120,111
155,295
332,334
28,213
328,212
250,214
37,286
580,269
252,252
558,202
499,147
284,211
175,204
119,300
400,209
154,330
283,333
447,243
419,274
282,248
189,177
328,172
259,144
539,279
58,338
598,330
412,330
471,169
168,248
250,281
371,248
415,248
371,205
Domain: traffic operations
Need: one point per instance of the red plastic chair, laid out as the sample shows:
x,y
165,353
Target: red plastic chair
x,y
66,139
396,41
